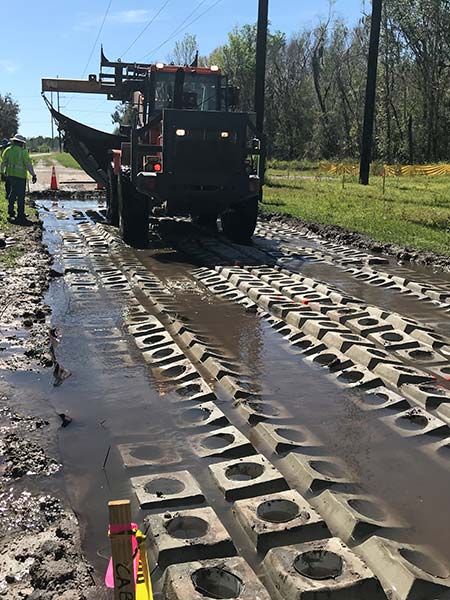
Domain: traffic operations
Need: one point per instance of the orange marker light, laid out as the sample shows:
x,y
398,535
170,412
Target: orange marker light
x,y
157,167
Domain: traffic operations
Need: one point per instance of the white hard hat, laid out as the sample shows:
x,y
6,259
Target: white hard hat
x,y
19,138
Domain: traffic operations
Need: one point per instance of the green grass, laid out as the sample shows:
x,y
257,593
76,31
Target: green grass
x,y
415,211
63,158
66,160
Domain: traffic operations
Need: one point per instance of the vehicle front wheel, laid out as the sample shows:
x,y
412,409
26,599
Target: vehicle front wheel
x,y
239,221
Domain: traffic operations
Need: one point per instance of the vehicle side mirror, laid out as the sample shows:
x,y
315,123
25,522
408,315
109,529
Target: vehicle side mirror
x,y
234,96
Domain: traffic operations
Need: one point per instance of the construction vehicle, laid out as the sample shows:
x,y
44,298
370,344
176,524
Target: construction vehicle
x,y
188,151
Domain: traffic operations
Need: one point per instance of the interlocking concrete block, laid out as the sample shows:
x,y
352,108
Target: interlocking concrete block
x,y
279,519
332,359
284,438
398,375
216,578
321,569
381,398
236,387
148,326
406,572
342,314
181,370
355,517
430,396
227,442
247,477
393,340
196,390
342,341
425,356
166,489
319,329
297,316
316,473
358,377
141,454
416,421
370,357
255,410
187,535
164,355
206,414
367,325
153,340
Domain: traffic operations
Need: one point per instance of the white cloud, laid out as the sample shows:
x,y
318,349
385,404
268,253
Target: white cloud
x,y
131,16
123,16
8,65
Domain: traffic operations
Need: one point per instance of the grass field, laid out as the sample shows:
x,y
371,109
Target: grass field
x,y
63,158
414,211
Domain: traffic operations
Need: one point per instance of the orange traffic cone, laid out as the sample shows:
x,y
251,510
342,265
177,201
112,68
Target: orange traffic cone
x,y
53,183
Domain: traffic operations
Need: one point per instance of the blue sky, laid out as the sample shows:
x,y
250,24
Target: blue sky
x,y
55,38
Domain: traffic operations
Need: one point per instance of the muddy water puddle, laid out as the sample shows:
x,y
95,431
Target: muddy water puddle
x,y
113,400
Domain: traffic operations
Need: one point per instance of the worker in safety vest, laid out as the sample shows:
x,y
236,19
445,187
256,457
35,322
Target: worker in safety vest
x,y
4,144
16,162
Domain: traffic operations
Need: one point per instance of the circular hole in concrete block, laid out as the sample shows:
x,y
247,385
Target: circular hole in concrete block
x,y
164,486
412,422
244,471
446,370
188,390
163,353
351,376
367,509
325,359
153,339
329,324
391,336
420,354
293,435
264,408
217,583
220,440
319,564
374,399
146,452
278,511
196,415
221,286
428,389
350,336
424,562
367,322
304,344
174,371
327,468
187,527
378,353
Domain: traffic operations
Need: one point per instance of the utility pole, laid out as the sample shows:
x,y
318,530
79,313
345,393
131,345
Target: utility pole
x,y
51,121
369,110
260,76
59,110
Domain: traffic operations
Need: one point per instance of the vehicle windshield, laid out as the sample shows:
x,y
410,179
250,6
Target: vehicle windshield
x,y
200,92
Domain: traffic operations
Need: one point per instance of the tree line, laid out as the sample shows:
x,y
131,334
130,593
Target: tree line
x,y
316,84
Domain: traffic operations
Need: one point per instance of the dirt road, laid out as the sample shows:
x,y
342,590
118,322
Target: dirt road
x,y
278,413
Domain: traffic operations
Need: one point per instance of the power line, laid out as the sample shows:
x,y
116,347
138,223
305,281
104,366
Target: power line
x,y
145,28
177,29
94,44
97,38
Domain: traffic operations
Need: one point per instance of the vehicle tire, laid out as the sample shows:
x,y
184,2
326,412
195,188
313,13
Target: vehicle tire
x,y
112,198
239,221
209,221
133,213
